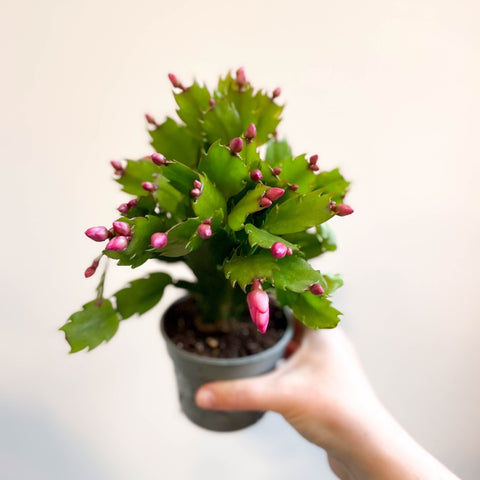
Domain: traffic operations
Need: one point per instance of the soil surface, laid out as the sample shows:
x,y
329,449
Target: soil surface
x,y
236,339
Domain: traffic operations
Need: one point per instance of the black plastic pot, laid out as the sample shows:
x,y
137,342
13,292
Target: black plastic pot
x,y
194,370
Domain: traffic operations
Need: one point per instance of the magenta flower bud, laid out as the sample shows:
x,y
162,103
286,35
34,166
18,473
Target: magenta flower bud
x,y
278,250
313,160
251,132
99,234
274,193
204,230
150,119
294,187
207,221
132,203
241,78
175,82
197,184
89,272
158,159
123,208
149,186
122,228
117,244
317,289
289,251
265,202
159,240
277,92
117,165
195,192
236,145
92,268
276,171
212,102
258,305
342,210
314,168
256,175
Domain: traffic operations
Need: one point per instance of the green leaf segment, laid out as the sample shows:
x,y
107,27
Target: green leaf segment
x,y
204,182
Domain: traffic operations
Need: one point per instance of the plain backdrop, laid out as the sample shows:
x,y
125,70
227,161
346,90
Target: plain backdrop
x,y
387,90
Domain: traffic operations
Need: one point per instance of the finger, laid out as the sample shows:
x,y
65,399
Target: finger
x,y
299,331
292,347
295,342
255,393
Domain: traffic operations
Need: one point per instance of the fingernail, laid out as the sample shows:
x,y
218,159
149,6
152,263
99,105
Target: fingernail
x,y
205,398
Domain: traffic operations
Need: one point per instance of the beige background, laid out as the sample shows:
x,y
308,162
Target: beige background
x,y
387,90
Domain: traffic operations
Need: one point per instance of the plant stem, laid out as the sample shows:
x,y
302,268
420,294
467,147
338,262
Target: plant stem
x,y
217,300
101,286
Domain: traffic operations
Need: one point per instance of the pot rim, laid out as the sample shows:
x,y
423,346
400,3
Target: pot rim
x,y
280,345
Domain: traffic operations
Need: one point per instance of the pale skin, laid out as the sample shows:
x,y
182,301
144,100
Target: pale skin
x,y
322,391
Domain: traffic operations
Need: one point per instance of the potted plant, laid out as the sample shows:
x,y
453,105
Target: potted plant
x,y
244,219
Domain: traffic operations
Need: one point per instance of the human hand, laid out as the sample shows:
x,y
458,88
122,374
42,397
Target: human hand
x,y
322,391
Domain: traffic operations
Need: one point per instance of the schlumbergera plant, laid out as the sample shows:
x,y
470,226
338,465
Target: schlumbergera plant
x,y
244,218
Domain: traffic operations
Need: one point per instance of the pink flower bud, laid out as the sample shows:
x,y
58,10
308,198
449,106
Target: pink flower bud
x,y
99,234
276,171
122,228
256,175
150,119
314,168
117,165
258,305
250,132
92,268
265,202
175,82
159,240
313,160
294,187
158,159
204,230
277,92
132,203
241,79
197,184
207,221
278,250
236,145
317,289
274,193
195,192
89,272
289,251
342,210
149,186
123,208
212,102
117,244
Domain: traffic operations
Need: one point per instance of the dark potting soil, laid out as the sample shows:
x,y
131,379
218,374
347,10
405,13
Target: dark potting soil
x,y
239,338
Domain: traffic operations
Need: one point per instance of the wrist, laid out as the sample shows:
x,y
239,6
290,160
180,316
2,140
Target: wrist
x,y
374,446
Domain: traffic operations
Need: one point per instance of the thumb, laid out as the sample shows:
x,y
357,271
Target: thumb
x,y
254,393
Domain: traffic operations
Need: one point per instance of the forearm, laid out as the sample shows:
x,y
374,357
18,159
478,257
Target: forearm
x,y
378,448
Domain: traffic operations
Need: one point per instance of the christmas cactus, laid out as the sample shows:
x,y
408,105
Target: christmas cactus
x,y
244,218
